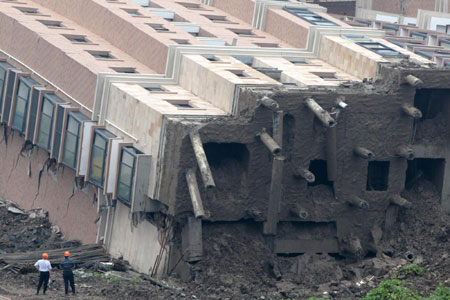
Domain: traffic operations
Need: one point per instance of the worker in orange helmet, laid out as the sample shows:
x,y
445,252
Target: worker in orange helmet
x,y
44,267
67,265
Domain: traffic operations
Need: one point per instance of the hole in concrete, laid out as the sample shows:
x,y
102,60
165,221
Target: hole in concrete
x,y
370,254
431,101
432,169
219,154
229,165
319,168
378,176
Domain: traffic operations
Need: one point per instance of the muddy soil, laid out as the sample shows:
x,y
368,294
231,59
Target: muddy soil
x,y
238,264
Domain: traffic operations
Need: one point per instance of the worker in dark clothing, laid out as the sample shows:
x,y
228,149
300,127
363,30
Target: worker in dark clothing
x,y
44,267
67,265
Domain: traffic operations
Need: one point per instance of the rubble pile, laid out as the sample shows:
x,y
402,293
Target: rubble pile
x,y
238,263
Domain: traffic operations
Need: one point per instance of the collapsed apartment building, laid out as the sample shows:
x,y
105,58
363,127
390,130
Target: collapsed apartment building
x,y
135,123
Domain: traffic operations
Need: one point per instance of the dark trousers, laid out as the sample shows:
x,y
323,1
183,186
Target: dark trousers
x,y
68,277
43,278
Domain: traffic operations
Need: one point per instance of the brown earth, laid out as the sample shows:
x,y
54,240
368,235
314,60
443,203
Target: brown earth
x,y
238,264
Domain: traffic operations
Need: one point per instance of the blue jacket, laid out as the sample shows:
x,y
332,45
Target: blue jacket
x,y
67,265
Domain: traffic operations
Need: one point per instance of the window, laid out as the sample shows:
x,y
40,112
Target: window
x,y
180,103
72,138
181,42
101,54
51,23
376,47
420,36
127,70
378,176
309,16
210,57
189,28
155,89
267,45
158,27
28,10
319,168
240,31
98,156
4,66
127,168
76,38
21,104
445,43
163,13
298,61
239,73
326,75
47,116
132,12
216,18
190,5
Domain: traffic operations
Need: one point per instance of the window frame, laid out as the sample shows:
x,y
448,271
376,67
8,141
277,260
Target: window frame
x,y
133,153
54,101
105,135
29,83
78,118
4,66
310,16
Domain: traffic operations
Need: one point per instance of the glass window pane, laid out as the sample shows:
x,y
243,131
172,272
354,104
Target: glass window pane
x,y
125,174
127,159
124,192
99,142
45,129
97,162
72,125
23,91
70,153
48,108
20,114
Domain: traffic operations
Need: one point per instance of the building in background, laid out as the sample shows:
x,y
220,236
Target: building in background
x,y
133,123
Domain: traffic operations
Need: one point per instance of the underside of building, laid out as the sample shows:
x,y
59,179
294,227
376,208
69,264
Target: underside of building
x,y
311,146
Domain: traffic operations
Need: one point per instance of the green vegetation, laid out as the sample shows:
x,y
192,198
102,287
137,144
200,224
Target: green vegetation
x,y
391,290
113,279
395,290
413,269
98,274
136,280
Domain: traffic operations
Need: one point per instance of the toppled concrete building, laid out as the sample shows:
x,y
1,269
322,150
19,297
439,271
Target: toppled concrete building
x,y
135,125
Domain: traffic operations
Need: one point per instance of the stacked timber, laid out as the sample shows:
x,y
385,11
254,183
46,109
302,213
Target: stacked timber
x,y
85,254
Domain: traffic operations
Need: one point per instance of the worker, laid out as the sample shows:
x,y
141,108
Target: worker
x,y
44,267
67,265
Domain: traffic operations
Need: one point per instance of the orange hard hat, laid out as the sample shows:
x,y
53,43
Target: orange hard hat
x,y
44,255
67,253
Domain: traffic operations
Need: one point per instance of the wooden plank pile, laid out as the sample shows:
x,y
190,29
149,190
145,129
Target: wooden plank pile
x,y
85,254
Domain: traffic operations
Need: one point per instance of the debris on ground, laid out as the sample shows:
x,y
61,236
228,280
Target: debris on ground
x,y
238,263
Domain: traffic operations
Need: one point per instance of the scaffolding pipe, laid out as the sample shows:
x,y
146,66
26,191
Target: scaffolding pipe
x,y
412,111
305,174
358,202
270,226
269,103
320,113
269,142
278,117
331,153
414,81
202,161
194,192
364,153
400,201
406,152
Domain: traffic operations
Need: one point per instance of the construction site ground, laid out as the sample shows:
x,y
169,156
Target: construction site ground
x,y
237,263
